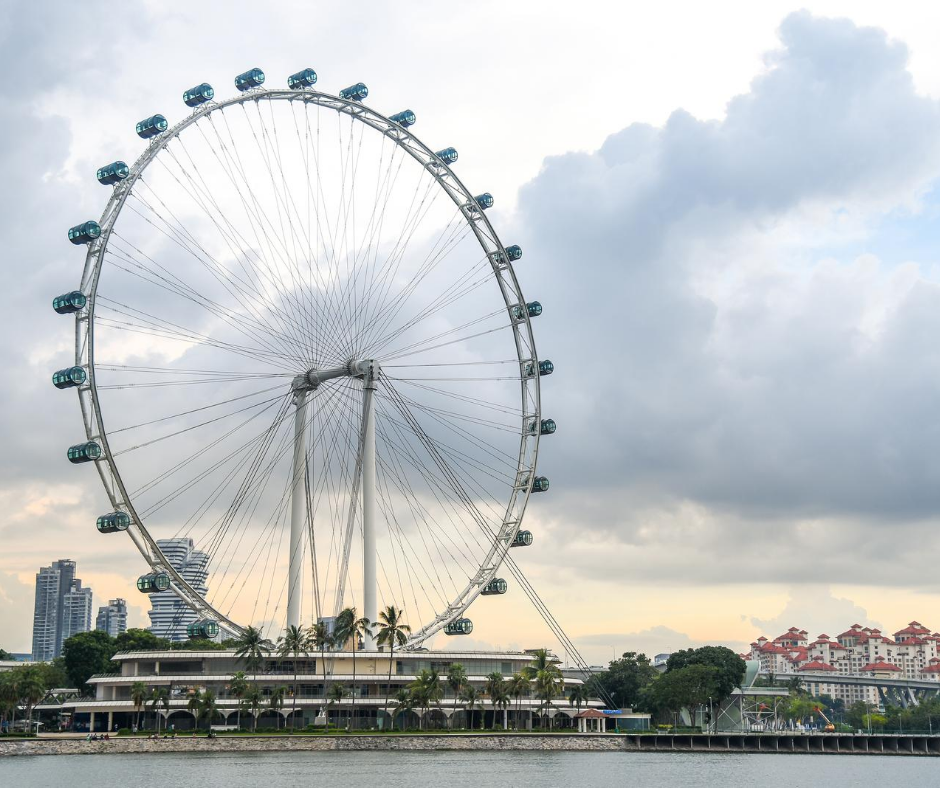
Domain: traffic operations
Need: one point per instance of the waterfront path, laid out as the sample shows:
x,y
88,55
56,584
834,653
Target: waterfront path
x,y
824,744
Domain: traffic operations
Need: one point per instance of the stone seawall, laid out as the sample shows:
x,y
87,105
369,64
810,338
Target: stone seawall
x,y
717,743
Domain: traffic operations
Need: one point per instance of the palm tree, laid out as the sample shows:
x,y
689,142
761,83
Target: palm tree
x,y
293,643
500,700
159,696
194,706
543,670
348,626
251,646
336,694
579,695
31,690
469,696
517,686
9,694
139,697
392,632
456,678
321,639
404,701
252,702
208,707
277,703
238,686
496,689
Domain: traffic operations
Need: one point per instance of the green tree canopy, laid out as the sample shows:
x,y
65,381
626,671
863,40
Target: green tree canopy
x,y
139,640
625,679
5,655
686,688
85,654
729,666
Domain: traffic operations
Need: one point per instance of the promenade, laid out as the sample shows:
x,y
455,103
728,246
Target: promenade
x,y
822,744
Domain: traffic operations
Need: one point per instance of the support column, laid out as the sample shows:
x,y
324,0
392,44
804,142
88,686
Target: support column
x,y
369,602
298,510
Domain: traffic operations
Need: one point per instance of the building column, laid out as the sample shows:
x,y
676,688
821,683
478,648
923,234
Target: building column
x,y
110,720
91,723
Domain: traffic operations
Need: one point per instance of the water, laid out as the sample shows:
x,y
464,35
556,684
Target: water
x,y
462,770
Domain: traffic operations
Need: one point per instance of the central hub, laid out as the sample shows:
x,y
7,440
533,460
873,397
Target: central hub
x,y
366,369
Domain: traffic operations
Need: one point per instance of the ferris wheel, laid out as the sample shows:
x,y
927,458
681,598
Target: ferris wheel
x,y
300,343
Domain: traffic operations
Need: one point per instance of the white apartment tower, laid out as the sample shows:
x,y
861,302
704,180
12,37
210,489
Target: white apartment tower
x,y
169,615
112,618
62,608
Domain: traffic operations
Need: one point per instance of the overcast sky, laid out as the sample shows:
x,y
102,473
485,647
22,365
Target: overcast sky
x,y
729,212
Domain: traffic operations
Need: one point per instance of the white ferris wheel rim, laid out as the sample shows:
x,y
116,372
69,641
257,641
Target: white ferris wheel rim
x,y
502,270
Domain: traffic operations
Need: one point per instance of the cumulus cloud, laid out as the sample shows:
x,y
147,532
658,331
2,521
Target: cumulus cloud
x,y
711,357
815,609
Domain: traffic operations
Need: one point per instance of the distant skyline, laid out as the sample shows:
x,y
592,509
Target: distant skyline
x,y
729,213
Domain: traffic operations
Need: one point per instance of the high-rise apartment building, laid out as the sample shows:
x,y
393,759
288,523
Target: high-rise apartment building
x,y
112,618
62,608
169,615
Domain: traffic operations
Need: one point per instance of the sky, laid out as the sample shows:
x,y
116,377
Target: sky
x,y
729,213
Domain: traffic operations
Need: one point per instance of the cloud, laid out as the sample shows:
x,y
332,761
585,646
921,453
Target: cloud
x,y
815,609
654,640
726,385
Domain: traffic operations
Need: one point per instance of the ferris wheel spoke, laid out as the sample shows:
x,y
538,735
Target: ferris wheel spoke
x,y
250,326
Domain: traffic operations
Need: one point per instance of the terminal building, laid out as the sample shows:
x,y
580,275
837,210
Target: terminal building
x,y
182,673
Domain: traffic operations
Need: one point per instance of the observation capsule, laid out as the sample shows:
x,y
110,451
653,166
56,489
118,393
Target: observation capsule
x,y
544,368
250,79
115,172
69,378
152,126
462,626
534,308
113,522
153,583
198,95
204,628
302,79
84,233
496,586
403,119
514,252
522,539
540,484
84,452
447,155
546,427
484,200
69,302
355,92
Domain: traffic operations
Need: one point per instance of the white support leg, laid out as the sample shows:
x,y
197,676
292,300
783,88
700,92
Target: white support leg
x,y
298,511
369,602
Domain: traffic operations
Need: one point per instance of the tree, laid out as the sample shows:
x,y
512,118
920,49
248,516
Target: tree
x,y
238,686
31,689
348,626
469,696
579,695
427,690
85,654
139,697
252,648
196,644
547,679
5,655
9,696
456,678
277,703
403,702
517,686
139,640
252,703
208,707
194,706
392,632
293,643
321,639
625,679
159,696
335,695
495,687
688,687
729,666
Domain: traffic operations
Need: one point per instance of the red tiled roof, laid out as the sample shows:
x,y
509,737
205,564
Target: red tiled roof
x,y
914,628
880,665
817,664
915,641
931,669
770,648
